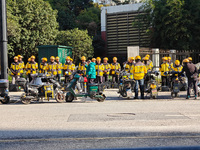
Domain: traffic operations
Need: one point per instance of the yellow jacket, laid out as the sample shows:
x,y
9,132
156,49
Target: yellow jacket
x,y
99,69
15,69
32,67
52,68
139,70
128,66
43,67
164,67
68,68
178,69
59,67
22,66
81,67
107,68
115,68
171,66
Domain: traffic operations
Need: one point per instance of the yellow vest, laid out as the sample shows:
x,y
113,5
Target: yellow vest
x,y
21,65
43,67
178,69
32,67
99,69
115,68
59,68
139,70
69,68
164,67
107,67
15,67
81,67
52,68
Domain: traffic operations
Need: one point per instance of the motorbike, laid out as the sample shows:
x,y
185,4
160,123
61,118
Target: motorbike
x,y
4,92
126,84
42,86
92,90
151,84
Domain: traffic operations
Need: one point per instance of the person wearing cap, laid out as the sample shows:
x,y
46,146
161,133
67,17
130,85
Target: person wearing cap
x,y
128,64
81,66
43,65
171,65
59,68
190,59
139,72
52,67
68,69
91,71
99,70
106,71
15,70
149,61
164,69
115,70
33,67
192,74
21,64
177,67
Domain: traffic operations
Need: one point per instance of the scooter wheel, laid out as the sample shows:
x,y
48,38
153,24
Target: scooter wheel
x,y
69,97
6,100
60,97
24,100
102,99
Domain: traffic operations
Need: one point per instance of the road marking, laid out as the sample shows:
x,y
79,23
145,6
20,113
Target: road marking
x,y
96,138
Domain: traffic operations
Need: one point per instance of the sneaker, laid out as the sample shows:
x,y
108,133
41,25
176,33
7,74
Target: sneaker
x,y
135,97
188,97
195,97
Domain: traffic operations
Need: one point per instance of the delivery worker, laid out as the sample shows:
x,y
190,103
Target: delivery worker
x,y
91,71
171,65
28,71
190,59
43,66
59,69
177,67
164,69
192,74
73,65
149,61
52,67
15,70
115,70
21,64
81,66
106,71
139,71
68,69
33,67
128,64
99,71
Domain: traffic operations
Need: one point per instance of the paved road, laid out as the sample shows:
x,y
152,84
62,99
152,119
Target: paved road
x,y
87,124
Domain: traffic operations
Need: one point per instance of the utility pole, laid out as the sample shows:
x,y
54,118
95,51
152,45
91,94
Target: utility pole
x,y
3,40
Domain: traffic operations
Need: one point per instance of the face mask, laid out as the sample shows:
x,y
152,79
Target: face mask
x,y
68,61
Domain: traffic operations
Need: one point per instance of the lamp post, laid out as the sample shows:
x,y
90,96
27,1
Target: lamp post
x,y
3,40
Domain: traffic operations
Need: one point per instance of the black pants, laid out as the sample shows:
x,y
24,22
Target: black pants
x,y
58,77
105,77
99,79
115,78
164,81
192,83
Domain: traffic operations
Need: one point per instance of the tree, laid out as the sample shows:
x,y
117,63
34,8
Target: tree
x,y
90,19
79,40
99,46
30,23
172,24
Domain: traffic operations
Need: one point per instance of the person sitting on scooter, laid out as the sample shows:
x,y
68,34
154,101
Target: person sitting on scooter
x,y
128,64
81,66
106,69
149,61
164,69
99,70
177,67
91,71
68,69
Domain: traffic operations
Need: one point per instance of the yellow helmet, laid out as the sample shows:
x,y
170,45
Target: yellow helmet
x,y
115,58
57,58
32,57
98,59
44,59
132,58
147,56
83,58
71,59
177,62
20,56
52,57
169,58
93,59
186,61
138,58
68,58
190,58
165,58
29,59
105,58
15,58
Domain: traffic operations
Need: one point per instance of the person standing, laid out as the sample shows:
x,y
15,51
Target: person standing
x,y
164,69
171,65
32,67
73,65
52,67
28,71
99,71
106,71
15,70
21,65
115,70
128,64
81,67
149,61
59,68
190,59
192,75
91,71
139,71
68,69
43,65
